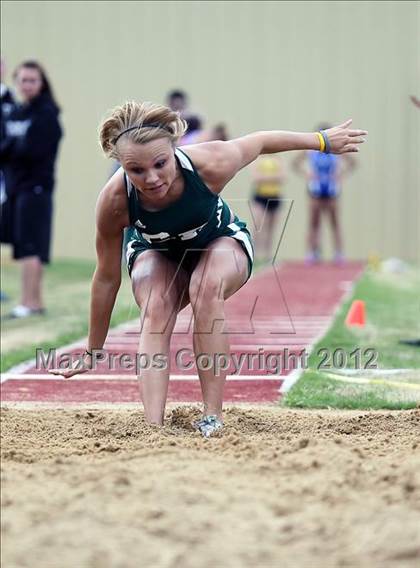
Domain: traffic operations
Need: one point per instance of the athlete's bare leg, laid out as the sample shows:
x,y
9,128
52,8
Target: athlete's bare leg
x,y
314,224
270,222
332,208
221,271
160,288
31,275
259,214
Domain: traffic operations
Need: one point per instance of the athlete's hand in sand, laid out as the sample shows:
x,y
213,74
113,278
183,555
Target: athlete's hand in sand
x,y
82,365
343,139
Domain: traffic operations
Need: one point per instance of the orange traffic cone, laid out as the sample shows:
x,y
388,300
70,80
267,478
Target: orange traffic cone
x,y
357,314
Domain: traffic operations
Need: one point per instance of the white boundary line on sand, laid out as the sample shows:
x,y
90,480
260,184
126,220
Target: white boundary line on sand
x,y
131,378
112,406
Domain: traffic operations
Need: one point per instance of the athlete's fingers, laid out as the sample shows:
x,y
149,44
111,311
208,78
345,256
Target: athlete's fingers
x,y
357,140
66,373
357,133
60,372
349,148
346,124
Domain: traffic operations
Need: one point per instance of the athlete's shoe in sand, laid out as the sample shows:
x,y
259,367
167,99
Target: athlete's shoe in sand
x,y
208,425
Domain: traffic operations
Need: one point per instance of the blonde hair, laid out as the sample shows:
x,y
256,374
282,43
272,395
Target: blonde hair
x,y
165,123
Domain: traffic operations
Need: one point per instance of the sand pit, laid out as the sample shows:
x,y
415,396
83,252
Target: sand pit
x,y
100,489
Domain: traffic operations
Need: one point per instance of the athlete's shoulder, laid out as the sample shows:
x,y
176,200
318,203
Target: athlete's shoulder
x,y
111,208
213,162
184,159
204,153
114,189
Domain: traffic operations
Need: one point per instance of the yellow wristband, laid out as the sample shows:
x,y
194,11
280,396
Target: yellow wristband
x,y
321,142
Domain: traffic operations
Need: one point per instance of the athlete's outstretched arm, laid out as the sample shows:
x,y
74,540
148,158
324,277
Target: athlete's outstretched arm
x,y
342,138
218,162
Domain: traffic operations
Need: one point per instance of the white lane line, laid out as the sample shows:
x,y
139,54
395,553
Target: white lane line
x,y
132,378
115,406
291,379
297,373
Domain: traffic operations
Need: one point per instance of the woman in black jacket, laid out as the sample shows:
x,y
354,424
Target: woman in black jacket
x,y
28,155
7,103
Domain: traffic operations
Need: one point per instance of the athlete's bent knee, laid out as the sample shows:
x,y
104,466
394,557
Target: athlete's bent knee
x,y
205,290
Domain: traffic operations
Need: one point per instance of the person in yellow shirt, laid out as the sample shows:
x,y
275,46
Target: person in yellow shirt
x,y
268,181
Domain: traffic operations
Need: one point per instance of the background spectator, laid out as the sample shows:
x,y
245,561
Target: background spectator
x,y
268,181
28,156
324,174
7,103
6,106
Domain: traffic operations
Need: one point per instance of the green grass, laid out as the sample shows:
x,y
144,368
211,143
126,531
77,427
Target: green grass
x,y
67,297
393,309
317,390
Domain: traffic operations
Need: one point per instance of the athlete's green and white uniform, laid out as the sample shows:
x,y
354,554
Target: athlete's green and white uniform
x,y
183,229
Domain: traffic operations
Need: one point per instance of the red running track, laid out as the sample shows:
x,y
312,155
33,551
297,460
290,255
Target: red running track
x,y
272,322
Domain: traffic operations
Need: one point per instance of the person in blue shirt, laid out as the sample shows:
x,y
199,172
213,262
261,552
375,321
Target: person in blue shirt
x,y
324,174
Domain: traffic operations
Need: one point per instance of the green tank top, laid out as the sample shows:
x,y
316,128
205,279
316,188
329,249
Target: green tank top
x,y
195,219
